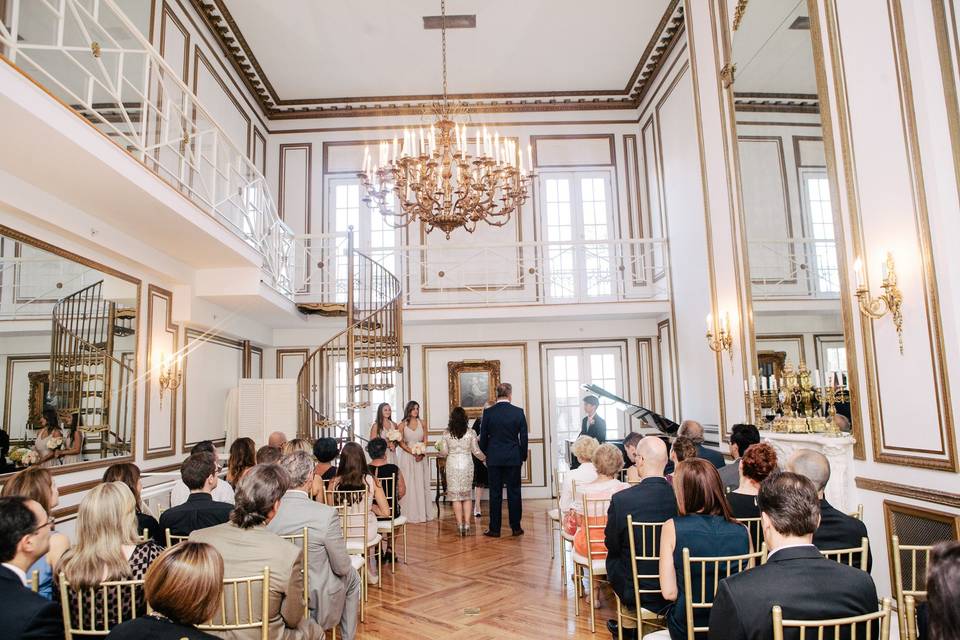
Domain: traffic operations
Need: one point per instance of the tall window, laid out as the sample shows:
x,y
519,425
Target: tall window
x,y
577,210
816,196
372,236
569,370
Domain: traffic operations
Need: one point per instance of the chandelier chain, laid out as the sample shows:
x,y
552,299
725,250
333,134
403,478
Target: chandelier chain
x,y
443,47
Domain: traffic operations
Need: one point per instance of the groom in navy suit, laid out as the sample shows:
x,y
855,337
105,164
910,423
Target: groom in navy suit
x,y
503,438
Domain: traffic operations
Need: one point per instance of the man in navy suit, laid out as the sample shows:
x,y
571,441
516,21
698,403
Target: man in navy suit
x,y
503,438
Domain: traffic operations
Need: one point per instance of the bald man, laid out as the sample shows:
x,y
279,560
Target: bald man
x,y
277,439
694,430
837,530
651,500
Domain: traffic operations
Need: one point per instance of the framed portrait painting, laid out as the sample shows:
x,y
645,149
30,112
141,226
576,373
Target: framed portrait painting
x,y
473,383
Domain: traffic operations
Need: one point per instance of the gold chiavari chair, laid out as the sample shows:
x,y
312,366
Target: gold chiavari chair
x,y
356,531
854,556
565,538
710,571
35,580
395,523
915,582
594,563
555,524
910,613
644,540
858,514
358,563
237,606
853,624
117,600
756,531
173,539
302,540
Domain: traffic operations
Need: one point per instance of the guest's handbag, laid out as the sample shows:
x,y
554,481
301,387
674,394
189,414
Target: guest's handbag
x,y
570,522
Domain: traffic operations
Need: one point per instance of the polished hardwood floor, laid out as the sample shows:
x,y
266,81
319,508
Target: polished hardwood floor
x,y
480,588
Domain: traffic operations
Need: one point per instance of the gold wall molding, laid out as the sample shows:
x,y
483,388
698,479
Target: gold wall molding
x,y
282,354
154,294
12,362
306,147
645,363
199,59
944,498
191,335
948,42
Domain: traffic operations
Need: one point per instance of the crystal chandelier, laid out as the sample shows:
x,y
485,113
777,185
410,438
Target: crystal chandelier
x,y
436,179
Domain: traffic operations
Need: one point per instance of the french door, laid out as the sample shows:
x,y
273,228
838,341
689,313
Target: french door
x,y
577,222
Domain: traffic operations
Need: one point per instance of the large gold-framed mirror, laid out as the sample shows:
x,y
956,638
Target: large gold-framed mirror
x,y
68,344
792,232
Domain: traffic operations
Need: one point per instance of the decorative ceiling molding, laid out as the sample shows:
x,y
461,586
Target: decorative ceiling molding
x,y
236,49
777,102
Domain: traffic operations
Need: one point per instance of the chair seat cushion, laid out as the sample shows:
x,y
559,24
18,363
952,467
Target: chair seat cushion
x,y
554,514
384,525
354,546
599,566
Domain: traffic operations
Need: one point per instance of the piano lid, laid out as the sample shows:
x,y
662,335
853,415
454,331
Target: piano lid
x,y
648,417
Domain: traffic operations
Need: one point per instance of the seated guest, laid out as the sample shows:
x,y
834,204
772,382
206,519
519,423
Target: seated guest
x,y
742,437
247,547
755,465
608,461
108,547
582,450
325,450
129,474
837,530
243,455
796,577
24,539
694,430
706,527
183,588
842,423
943,592
630,443
380,468
223,492
297,444
268,455
353,474
334,583
651,500
37,484
199,474
277,439
682,449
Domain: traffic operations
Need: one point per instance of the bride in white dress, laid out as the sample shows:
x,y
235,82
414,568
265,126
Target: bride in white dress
x,y
414,467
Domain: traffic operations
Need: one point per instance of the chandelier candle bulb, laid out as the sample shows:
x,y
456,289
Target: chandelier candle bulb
x,y
858,271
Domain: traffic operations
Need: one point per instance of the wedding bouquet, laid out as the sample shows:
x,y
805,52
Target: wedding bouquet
x,y
393,435
30,457
418,448
440,445
17,455
54,443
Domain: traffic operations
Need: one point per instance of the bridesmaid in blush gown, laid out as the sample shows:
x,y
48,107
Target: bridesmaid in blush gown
x,y
414,466
381,426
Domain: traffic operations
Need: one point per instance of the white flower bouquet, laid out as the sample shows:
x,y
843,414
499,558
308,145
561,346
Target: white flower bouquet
x,y
393,435
54,443
17,455
418,448
440,445
30,457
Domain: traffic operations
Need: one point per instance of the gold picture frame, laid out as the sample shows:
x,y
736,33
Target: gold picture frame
x,y
472,383
771,363
39,386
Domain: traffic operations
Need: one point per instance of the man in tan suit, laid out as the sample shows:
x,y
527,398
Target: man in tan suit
x,y
247,547
334,584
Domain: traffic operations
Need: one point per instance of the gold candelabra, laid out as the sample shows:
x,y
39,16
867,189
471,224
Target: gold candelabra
x,y
169,376
798,400
890,301
719,337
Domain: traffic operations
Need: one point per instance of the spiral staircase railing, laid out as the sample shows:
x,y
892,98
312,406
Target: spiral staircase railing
x,y
90,387
340,376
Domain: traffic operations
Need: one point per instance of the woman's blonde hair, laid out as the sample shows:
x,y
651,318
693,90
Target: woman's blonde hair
x,y
106,521
35,483
608,460
584,447
297,444
185,582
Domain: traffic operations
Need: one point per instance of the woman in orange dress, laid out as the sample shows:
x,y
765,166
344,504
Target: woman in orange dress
x,y
608,461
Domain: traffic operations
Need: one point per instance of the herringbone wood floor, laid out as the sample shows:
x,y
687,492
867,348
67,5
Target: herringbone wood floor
x,y
480,588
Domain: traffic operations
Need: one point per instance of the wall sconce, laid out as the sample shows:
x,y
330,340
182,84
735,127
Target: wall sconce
x,y
170,375
890,301
720,338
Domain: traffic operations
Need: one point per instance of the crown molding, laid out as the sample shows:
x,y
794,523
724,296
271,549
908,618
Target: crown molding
x,y
236,49
777,102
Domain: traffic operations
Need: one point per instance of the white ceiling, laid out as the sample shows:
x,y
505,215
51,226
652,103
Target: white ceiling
x,y
324,49
771,57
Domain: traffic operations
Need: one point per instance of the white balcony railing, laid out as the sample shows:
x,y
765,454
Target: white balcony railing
x,y
494,274
91,56
794,268
30,286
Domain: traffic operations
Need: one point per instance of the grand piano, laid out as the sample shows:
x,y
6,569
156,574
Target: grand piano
x,y
651,423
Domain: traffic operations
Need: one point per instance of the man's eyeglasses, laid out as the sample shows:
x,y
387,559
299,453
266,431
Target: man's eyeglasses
x,y
49,523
